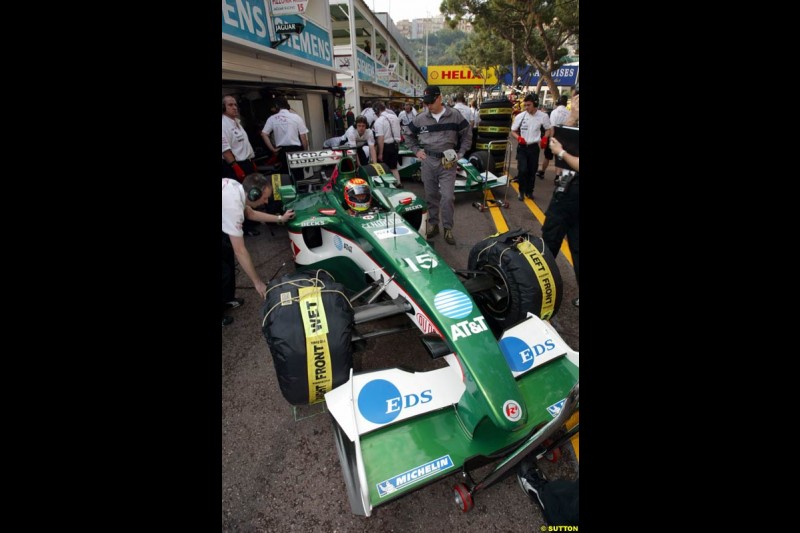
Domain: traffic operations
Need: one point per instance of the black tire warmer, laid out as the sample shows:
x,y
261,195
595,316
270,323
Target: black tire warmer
x,y
308,323
529,272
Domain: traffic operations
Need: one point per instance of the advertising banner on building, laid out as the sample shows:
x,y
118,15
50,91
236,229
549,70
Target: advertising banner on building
x,y
563,77
253,24
366,66
460,75
289,7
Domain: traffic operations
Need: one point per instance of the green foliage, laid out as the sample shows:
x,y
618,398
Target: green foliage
x,y
538,29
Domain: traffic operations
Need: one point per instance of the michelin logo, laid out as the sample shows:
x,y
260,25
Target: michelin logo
x,y
415,475
556,408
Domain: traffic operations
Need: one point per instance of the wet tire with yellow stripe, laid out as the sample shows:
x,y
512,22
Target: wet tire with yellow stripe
x,y
308,324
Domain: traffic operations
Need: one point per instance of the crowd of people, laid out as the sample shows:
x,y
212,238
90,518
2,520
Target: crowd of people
x,y
438,135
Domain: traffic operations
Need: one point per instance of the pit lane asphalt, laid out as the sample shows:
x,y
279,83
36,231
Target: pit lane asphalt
x,y
280,470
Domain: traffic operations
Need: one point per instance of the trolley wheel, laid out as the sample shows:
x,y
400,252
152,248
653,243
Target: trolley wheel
x,y
462,497
553,455
481,208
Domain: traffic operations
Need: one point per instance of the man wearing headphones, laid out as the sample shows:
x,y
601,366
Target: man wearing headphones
x,y
239,201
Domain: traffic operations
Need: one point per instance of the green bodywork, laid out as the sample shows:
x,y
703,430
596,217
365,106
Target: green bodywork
x,y
473,179
477,425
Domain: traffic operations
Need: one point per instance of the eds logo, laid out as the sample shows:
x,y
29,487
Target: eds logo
x,y
380,401
519,355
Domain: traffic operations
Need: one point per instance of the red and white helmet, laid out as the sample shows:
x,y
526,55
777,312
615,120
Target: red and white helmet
x,y
357,194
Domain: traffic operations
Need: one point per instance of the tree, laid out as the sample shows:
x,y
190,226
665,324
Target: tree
x,y
537,29
481,57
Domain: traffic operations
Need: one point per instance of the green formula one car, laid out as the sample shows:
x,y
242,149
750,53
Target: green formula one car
x,y
505,383
474,172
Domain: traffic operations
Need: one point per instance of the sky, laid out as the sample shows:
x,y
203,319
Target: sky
x,y
405,9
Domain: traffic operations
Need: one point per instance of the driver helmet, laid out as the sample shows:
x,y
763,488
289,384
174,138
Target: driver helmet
x,y
357,194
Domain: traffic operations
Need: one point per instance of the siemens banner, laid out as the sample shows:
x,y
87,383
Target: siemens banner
x,y
249,20
563,77
366,66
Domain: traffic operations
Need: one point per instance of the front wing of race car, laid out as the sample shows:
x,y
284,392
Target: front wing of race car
x,y
398,431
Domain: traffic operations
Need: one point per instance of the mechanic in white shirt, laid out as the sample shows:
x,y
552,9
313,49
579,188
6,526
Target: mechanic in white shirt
x,y
387,133
558,117
239,201
407,115
464,109
291,134
361,136
237,152
525,129
368,113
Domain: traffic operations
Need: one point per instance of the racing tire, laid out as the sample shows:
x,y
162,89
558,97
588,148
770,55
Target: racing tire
x,y
462,497
480,160
496,102
482,143
373,169
494,132
368,172
496,120
304,374
346,450
518,289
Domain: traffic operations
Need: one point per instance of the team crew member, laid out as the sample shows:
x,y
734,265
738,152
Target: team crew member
x,y
239,201
558,117
291,134
360,136
439,137
387,135
368,113
407,115
525,129
562,216
237,152
464,109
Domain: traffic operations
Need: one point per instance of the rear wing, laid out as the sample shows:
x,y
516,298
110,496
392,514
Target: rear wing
x,y
317,158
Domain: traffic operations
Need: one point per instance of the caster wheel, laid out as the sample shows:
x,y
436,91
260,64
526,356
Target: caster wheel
x,y
553,455
481,209
462,497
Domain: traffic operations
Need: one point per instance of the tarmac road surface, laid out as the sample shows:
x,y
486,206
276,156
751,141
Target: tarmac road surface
x,y
280,470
